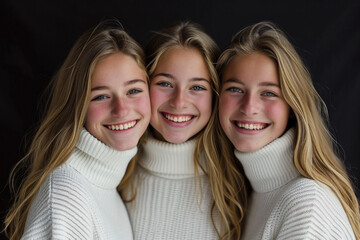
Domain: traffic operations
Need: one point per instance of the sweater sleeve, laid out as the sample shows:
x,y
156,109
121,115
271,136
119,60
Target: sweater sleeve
x,y
310,211
60,210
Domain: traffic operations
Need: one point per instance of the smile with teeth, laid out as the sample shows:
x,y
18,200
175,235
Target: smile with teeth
x,y
251,126
122,126
177,118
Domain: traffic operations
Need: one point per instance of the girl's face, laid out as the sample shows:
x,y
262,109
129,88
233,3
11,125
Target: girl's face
x,y
119,109
180,95
252,110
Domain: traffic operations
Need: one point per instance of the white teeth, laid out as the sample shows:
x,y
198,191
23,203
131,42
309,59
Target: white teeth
x,y
178,119
251,126
122,126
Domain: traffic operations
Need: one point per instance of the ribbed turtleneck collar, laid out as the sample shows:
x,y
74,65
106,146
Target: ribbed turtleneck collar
x,y
271,166
169,160
99,163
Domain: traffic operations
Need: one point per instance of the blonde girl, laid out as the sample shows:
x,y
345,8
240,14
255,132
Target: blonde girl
x,y
181,192
271,112
99,109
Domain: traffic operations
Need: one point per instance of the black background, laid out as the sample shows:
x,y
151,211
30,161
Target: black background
x,y
37,35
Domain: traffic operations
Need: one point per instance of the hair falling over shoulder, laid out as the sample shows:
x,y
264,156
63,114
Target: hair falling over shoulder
x,y
315,154
60,128
223,177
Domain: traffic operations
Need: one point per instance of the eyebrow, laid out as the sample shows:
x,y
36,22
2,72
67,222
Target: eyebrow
x,y
135,81
168,75
264,84
127,83
233,80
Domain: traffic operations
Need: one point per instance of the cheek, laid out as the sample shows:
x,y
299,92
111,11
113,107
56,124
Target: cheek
x,y
157,98
204,104
143,106
93,115
226,106
279,112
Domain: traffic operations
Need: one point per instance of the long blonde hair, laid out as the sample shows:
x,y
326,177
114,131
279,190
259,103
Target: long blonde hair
x,y
315,154
191,35
59,131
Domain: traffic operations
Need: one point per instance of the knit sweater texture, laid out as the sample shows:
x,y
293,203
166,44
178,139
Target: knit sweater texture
x,y
167,204
79,199
285,205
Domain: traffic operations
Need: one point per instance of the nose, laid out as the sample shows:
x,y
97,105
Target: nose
x,y
120,107
178,99
249,104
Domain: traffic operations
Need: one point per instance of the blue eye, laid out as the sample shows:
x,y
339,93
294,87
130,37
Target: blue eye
x,y
269,94
134,91
197,88
164,84
100,97
235,90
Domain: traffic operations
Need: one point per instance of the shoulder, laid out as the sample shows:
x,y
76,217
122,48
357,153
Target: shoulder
x,y
67,183
62,207
308,192
312,209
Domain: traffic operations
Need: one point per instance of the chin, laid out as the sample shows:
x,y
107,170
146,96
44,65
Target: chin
x,y
177,140
241,147
124,147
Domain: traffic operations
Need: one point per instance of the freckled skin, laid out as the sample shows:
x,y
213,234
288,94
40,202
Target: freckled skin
x,y
119,96
180,87
251,94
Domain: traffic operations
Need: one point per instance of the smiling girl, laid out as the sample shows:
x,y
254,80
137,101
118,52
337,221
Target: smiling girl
x,y
99,109
179,184
272,114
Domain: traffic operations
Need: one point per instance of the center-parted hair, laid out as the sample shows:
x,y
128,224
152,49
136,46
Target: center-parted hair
x,y
191,35
64,119
315,154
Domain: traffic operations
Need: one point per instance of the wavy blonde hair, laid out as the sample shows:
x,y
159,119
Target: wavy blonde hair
x,y
59,131
315,154
191,35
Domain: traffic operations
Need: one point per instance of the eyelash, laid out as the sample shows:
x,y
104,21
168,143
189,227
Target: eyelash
x,y
238,90
99,97
134,91
198,88
269,94
168,85
102,96
234,89
163,84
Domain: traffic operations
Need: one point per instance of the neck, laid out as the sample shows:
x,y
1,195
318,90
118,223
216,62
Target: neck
x,y
169,160
100,164
271,166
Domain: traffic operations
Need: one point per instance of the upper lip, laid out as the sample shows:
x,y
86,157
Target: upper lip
x,y
122,123
251,124
178,117
122,126
178,114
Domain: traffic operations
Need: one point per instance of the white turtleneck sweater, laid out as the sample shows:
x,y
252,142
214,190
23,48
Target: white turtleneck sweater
x,y
167,204
79,199
285,205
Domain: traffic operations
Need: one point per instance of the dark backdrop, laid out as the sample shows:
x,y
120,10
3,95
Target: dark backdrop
x,y
37,35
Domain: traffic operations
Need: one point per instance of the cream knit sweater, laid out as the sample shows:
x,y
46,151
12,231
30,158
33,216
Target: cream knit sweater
x,y
79,199
285,205
167,204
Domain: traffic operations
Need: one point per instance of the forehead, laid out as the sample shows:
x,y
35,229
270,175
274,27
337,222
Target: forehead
x,y
117,67
256,67
182,59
